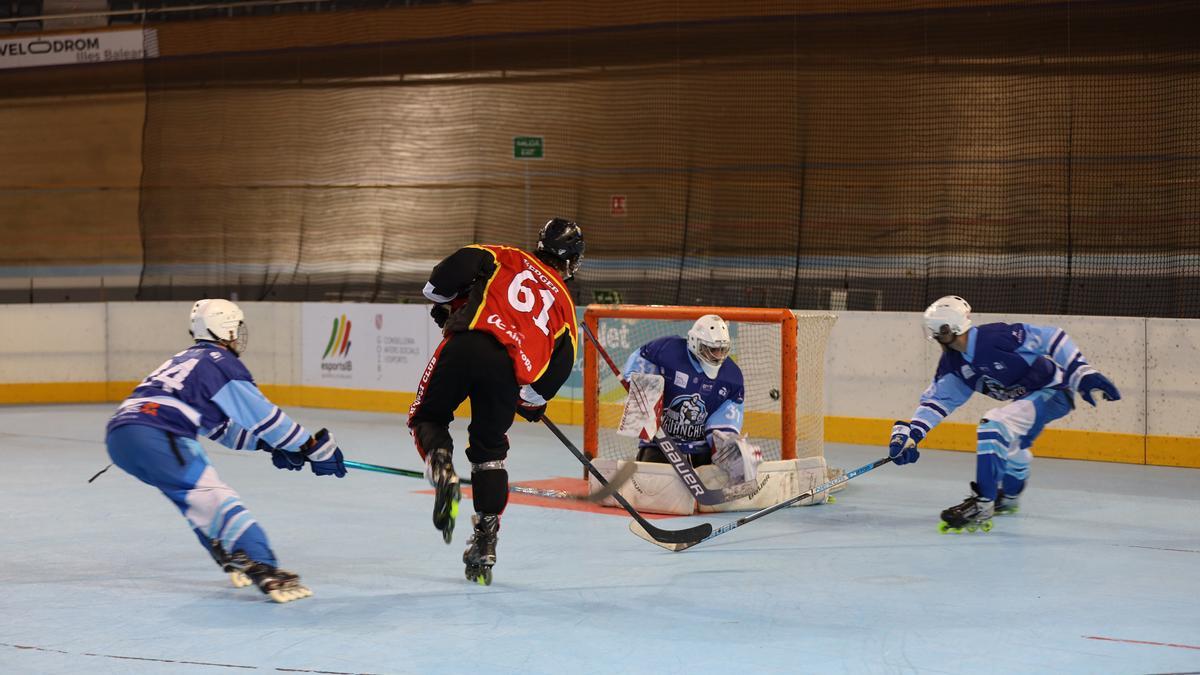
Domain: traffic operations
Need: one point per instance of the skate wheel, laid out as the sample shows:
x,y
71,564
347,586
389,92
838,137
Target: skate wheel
x,y
986,526
282,595
480,575
239,580
972,527
830,499
944,527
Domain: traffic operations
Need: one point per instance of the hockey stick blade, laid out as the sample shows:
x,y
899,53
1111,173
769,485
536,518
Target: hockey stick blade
x,y
651,533
618,480
683,546
683,467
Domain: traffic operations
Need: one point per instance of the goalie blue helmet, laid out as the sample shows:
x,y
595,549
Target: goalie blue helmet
x,y
561,240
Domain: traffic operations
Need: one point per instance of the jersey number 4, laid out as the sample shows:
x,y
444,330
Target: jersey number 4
x,y
170,375
522,299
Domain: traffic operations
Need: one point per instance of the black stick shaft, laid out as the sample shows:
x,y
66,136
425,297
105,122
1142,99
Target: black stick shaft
x,y
699,532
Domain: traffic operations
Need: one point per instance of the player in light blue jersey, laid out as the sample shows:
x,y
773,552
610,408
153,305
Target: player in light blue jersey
x,y
205,389
1035,370
703,390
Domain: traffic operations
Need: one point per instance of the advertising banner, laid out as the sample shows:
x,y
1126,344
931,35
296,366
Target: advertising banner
x,y
360,346
77,48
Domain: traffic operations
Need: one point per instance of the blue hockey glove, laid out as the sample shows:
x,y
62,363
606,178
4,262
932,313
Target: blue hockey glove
x,y
282,459
324,455
1093,381
902,447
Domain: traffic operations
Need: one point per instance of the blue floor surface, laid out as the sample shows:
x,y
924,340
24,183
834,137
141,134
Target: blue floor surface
x,y
1099,573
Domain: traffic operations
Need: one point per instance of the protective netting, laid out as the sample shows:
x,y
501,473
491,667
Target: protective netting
x,y
758,351
1032,157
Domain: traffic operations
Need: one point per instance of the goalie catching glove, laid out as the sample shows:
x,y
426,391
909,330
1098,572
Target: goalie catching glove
x,y
320,451
735,456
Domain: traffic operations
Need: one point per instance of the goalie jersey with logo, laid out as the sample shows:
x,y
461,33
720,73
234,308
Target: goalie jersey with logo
x,y
694,405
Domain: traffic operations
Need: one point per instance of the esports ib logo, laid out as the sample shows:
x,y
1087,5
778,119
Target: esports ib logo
x,y
339,339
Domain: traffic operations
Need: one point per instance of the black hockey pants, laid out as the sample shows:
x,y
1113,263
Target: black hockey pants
x,y
473,365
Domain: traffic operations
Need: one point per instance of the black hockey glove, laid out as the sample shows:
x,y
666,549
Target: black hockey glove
x,y
530,404
440,314
531,412
324,455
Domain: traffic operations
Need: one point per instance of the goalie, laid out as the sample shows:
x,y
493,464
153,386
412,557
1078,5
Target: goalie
x,y
693,391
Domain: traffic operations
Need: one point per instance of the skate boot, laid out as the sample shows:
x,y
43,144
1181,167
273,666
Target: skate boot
x,y
278,584
1005,505
974,513
224,561
439,471
480,555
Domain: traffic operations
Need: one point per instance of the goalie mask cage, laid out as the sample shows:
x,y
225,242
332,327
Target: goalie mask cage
x,y
781,353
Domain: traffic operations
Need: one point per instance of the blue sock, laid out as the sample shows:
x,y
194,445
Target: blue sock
x,y
253,543
1012,486
988,468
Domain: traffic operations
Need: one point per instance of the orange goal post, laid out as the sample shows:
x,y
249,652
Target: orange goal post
x,y
781,353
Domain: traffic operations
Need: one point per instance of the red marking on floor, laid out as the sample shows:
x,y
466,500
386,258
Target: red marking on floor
x,y
576,486
1140,642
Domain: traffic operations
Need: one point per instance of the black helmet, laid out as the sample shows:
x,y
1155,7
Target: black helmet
x,y
562,241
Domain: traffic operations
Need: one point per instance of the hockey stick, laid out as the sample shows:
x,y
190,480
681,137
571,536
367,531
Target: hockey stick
x,y
600,495
683,546
683,467
649,532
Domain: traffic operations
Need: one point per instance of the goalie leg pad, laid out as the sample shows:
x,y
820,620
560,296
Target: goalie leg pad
x,y
778,481
654,488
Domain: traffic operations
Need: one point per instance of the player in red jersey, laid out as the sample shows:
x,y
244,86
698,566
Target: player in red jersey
x,y
509,345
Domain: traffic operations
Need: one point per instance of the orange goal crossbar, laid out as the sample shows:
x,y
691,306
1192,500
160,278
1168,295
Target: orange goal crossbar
x,y
787,359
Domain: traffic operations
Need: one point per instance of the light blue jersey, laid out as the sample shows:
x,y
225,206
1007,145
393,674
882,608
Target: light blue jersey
x,y
1006,362
206,389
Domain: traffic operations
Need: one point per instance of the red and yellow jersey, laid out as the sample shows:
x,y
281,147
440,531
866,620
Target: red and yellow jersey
x,y
526,306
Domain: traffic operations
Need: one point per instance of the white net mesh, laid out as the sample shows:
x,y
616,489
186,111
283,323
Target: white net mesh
x,y
757,349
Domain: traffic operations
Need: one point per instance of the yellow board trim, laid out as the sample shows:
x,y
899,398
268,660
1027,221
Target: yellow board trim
x,y
1180,451
1059,443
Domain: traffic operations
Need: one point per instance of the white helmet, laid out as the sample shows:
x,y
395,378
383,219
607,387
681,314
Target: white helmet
x,y
219,320
709,342
949,315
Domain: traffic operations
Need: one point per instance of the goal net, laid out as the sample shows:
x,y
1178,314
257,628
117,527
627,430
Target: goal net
x,y
781,354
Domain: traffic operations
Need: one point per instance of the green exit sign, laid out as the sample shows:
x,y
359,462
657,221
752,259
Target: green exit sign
x,y
528,147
